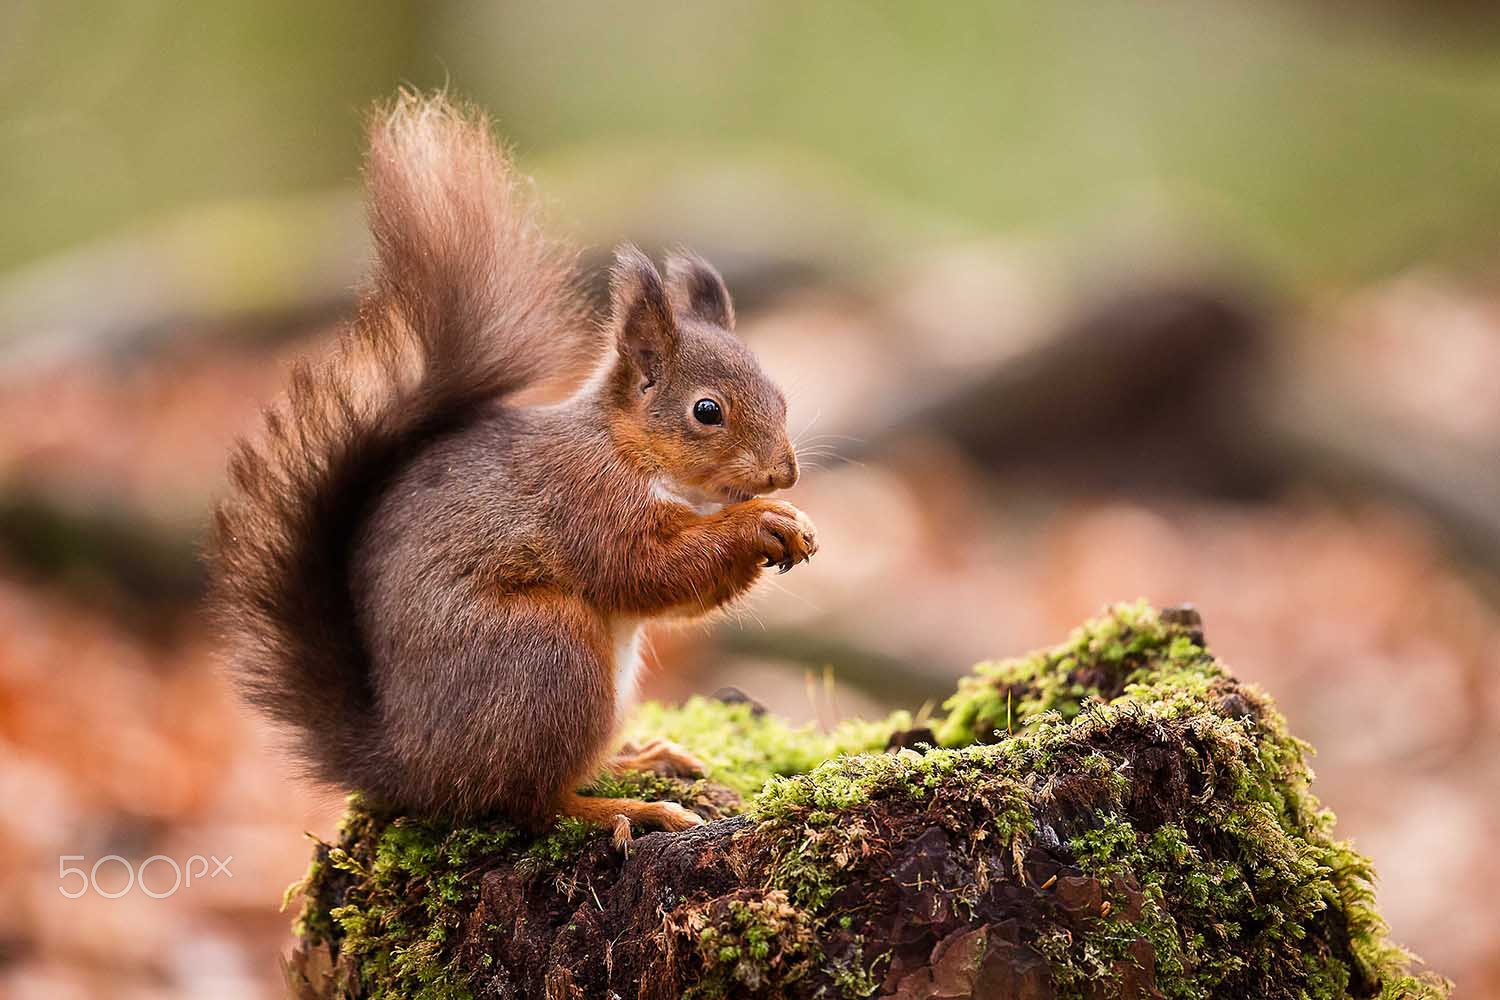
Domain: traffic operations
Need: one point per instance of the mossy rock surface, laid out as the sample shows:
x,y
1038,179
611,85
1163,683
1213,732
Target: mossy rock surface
x,y
1115,817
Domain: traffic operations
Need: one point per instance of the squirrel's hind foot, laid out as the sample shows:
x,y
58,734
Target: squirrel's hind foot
x,y
619,814
660,756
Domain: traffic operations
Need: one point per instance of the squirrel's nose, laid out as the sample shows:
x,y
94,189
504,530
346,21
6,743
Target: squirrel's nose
x,y
784,475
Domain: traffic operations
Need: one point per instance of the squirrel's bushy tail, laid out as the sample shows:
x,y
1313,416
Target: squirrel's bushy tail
x,y
468,302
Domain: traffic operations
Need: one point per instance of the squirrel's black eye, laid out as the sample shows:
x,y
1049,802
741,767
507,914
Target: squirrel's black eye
x,y
708,412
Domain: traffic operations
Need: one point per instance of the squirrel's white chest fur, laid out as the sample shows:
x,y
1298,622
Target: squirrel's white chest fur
x,y
625,633
627,651
667,492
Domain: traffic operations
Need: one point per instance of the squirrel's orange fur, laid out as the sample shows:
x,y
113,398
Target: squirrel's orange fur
x,y
437,588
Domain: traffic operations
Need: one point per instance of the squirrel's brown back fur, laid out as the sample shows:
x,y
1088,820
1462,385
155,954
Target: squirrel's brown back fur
x,y
468,302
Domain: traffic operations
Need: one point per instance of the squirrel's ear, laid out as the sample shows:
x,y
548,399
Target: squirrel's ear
x,y
645,331
697,290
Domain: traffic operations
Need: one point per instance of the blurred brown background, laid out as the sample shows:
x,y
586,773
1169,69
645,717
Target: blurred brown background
x,y
1076,302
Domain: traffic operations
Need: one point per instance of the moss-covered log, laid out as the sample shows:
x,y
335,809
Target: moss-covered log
x,y
1114,817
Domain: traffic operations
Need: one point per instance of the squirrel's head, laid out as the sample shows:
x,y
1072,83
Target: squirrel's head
x,y
689,397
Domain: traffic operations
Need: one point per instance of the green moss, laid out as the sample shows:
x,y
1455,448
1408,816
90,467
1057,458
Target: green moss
x,y
1250,860
743,749
819,824
393,893
1138,813
749,942
390,895
1129,645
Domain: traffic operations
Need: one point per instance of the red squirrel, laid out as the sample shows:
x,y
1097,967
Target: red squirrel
x,y
439,589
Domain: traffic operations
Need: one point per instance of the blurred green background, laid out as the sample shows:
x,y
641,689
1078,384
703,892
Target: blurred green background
x,y
1321,143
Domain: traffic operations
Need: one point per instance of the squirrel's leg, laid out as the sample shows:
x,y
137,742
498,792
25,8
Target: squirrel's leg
x,y
658,755
564,715
511,715
618,814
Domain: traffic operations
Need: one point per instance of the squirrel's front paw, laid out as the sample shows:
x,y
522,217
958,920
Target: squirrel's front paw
x,y
786,535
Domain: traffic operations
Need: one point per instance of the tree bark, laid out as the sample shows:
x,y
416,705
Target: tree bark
x,y
1117,816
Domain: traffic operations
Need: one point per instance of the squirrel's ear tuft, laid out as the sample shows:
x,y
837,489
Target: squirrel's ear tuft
x,y
645,331
697,290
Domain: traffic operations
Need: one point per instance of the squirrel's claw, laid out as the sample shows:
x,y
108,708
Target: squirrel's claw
x,y
620,834
669,816
786,536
